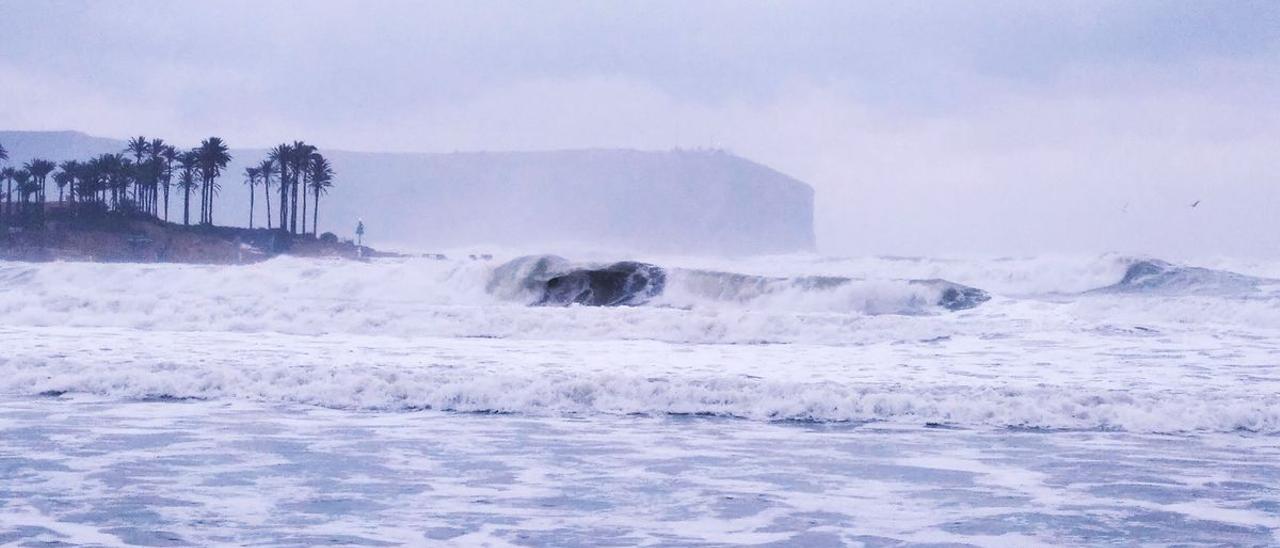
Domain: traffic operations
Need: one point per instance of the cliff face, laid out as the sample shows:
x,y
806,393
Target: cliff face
x,y
701,202
674,201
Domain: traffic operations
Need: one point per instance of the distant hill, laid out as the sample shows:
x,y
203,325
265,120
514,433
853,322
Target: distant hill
x,y
55,145
669,201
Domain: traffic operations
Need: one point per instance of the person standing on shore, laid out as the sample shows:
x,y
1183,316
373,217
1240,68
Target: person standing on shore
x,y
360,237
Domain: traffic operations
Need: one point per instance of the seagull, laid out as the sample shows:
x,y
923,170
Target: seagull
x,y
1195,203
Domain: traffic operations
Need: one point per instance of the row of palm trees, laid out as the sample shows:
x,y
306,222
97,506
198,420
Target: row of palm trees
x,y
138,179
296,169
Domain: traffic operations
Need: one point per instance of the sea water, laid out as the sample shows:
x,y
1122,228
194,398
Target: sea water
x,y
418,401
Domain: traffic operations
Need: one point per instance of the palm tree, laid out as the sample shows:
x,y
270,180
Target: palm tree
x,y
6,174
10,176
304,169
156,151
321,176
101,175
266,169
39,170
119,177
65,177
282,156
70,171
30,190
90,180
213,157
301,156
139,146
187,162
113,171
23,178
62,179
149,173
4,155
169,155
251,179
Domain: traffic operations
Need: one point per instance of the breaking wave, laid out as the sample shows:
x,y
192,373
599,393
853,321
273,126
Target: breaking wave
x,y
549,279
383,389
1003,361
1154,276
463,298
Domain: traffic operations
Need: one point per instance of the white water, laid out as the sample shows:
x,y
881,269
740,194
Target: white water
x,y
305,401
426,334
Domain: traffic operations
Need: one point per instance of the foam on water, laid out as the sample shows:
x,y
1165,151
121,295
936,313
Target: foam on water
x,y
469,390
864,343
433,298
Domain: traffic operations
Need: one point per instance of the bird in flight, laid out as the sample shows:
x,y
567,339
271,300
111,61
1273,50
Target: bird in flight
x,y
1195,203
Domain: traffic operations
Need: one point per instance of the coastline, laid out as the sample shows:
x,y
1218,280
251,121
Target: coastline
x,y
122,237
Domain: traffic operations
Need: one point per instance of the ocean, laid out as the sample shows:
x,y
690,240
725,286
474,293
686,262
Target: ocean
x,y
795,400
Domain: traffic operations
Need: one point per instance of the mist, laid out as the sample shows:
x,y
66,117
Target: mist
x,y
924,128
581,273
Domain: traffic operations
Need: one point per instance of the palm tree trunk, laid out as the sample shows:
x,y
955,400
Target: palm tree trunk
x,y
315,214
284,194
266,194
304,211
293,208
166,202
250,208
204,202
211,200
186,206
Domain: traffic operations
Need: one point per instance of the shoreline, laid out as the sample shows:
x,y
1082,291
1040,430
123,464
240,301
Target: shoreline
x,y
124,238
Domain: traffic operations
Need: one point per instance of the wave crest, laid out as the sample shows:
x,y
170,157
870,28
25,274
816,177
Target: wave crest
x,y
623,394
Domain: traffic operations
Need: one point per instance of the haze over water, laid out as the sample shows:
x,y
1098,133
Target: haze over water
x,y
1042,308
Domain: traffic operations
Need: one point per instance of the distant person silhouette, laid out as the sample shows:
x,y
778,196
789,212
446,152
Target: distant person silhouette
x,y
360,237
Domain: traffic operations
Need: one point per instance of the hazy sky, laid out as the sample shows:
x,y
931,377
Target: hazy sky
x,y
929,127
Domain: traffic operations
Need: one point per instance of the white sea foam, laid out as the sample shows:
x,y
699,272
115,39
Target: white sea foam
x,y
429,298
391,389
460,298
419,334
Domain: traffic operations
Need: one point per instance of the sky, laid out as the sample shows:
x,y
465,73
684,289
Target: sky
x,y
926,128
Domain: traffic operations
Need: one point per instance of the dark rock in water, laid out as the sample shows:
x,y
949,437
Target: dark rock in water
x,y
1156,276
955,296
619,284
